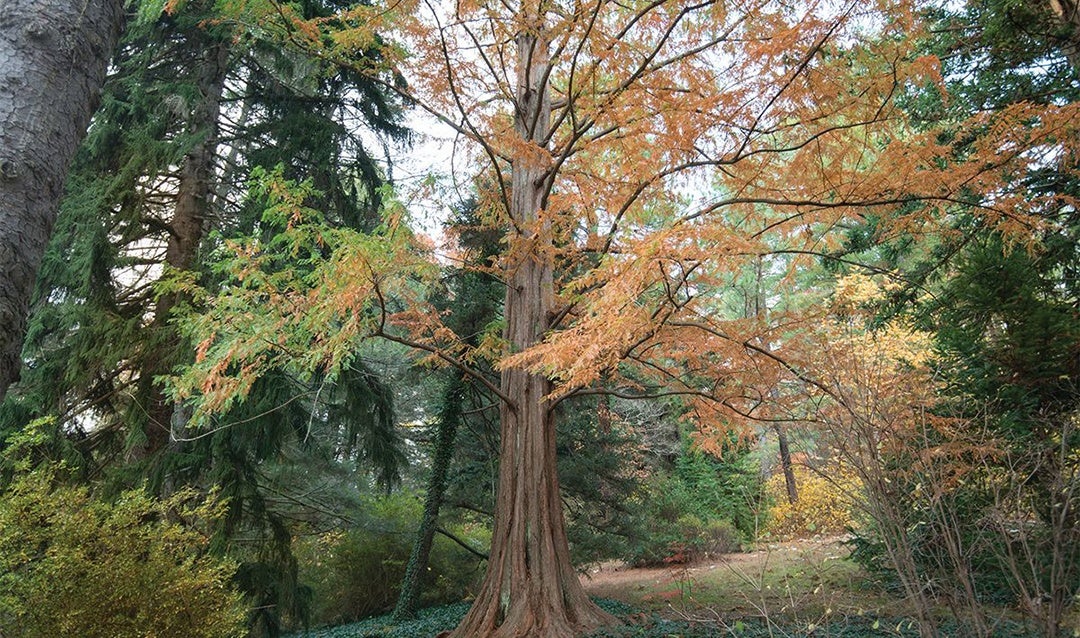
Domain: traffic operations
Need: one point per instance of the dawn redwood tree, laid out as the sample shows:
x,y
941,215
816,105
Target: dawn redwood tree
x,y
598,128
53,55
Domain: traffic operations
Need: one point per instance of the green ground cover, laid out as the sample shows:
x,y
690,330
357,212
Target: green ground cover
x,y
804,589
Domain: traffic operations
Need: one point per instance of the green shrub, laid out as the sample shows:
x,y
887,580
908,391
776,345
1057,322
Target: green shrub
x,y
357,573
670,535
687,540
728,488
71,565
696,540
706,506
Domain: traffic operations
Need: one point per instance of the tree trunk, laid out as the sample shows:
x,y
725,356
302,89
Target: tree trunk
x,y
186,229
531,588
1067,13
785,463
440,469
53,56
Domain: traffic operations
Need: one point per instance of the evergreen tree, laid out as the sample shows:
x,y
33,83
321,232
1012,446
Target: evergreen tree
x,y
193,106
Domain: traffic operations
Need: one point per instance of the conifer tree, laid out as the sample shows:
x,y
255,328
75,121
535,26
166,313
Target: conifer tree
x,y
188,112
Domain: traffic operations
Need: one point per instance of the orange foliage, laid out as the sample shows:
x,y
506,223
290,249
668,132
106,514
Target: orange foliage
x,y
658,148
687,138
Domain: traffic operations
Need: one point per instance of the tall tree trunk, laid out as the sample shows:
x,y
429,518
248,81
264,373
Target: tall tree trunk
x,y
53,56
1067,13
449,419
785,464
531,588
757,309
186,229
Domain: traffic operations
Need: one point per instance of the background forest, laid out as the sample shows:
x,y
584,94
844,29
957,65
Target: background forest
x,y
783,272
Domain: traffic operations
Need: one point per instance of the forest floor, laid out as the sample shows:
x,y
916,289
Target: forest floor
x,y
794,589
806,582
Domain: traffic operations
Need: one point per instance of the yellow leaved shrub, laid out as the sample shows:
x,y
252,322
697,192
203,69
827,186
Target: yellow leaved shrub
x,y
824,506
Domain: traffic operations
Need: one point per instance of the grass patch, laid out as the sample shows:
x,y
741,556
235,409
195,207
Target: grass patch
x,y
810,579
791,590
813,581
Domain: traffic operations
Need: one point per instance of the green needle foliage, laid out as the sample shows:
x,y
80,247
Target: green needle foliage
x,y
95,339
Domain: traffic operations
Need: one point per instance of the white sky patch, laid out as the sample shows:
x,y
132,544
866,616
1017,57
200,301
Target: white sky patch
x,y
431,176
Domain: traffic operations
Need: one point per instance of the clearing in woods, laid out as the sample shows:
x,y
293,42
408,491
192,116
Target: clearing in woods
x,y
805,581
798,588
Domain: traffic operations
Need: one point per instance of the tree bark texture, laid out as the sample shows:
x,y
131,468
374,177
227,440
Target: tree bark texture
x,y
1067,13
785,463
440,471
186,229
531,588
53,57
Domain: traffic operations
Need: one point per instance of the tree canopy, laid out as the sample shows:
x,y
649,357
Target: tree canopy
x,y
629,152
856,217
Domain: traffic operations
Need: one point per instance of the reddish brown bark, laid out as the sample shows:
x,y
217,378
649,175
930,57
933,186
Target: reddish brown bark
x,y
531,588
186,229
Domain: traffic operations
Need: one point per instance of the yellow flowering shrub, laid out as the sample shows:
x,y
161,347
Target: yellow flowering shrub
x,y
824,507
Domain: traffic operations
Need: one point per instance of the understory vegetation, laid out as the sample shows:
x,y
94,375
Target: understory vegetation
x,y
652,625
774,304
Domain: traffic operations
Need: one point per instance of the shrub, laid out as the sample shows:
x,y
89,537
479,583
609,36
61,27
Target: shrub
x,y
824,507
704,506
701,539
357,573
680,524
72,565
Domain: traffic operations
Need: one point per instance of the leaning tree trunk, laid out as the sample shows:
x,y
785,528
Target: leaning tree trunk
x,y
786,465
449,419
186,229
53,56
530,588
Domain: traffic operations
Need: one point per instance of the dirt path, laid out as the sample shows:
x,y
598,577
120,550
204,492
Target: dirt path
x,y
614,580
813,574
